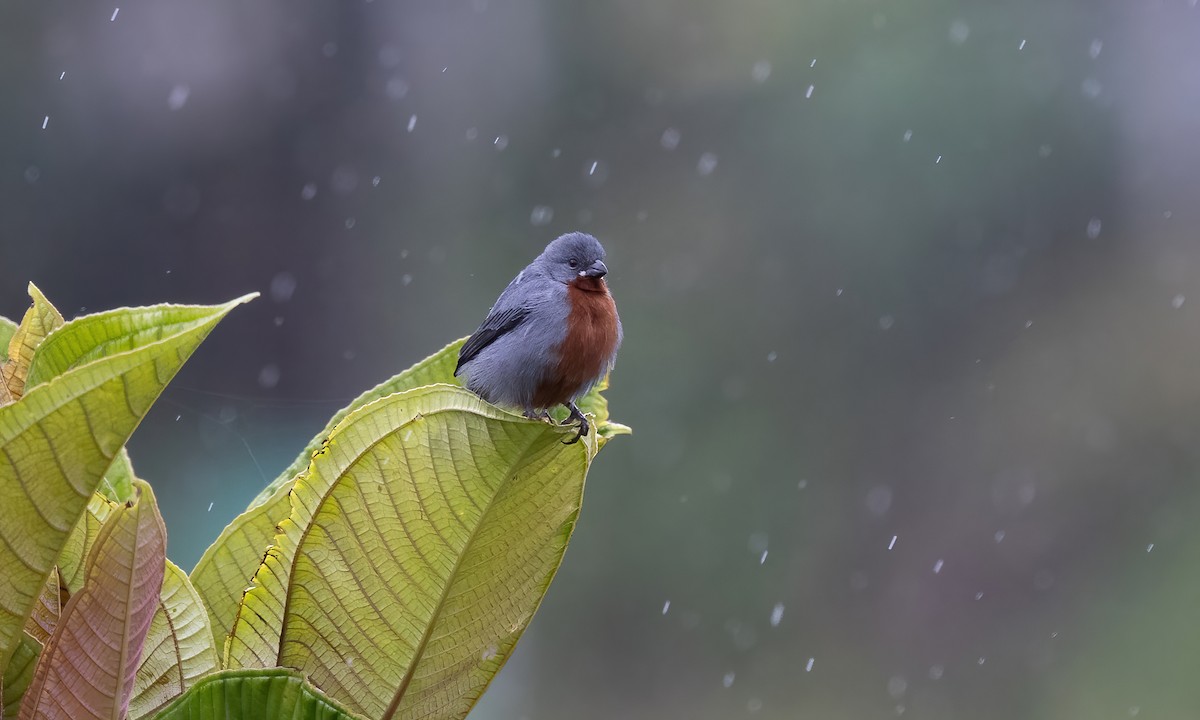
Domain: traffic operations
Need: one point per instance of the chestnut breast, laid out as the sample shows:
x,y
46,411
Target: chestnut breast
x,y
589,344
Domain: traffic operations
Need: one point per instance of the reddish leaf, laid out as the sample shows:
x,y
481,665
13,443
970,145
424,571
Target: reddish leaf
x,y
87,668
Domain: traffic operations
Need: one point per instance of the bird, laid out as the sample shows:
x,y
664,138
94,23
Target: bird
x,y
550,337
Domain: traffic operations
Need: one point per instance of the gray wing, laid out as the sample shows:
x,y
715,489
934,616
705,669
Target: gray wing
x,y
506,315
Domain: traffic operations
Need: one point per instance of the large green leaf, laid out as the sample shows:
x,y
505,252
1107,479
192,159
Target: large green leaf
x,y
89,338
40,320
79,543
437,368
7,329
179,648
274,694
117,484
225,569
56,444
17,676
421,540
86,670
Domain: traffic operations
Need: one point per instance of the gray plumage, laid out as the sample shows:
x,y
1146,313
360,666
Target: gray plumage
x,y
510,355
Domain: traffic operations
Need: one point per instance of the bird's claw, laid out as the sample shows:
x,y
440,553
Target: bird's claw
x,y
543,415
584,425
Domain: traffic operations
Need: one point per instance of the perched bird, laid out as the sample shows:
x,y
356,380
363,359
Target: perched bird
x,y
552,334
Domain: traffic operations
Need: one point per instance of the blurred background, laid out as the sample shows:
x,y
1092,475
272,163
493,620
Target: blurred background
x,y
909,289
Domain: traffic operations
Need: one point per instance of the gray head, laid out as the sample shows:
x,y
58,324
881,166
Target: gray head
x,y
572,256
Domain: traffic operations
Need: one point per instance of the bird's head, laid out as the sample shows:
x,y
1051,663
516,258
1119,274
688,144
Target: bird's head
x,y
575,258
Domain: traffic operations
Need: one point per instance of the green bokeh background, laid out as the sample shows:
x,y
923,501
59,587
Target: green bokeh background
x,y
916,269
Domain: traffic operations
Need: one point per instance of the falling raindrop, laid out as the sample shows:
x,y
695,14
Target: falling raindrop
x,y
541,215
959,32
937,566
309,191
178,97
670,138
283,286
396,88
879,499
666,607
595,172
1093,228
727,681
268,377
761,71
707,164
412,123
1177,301
776,614
500,142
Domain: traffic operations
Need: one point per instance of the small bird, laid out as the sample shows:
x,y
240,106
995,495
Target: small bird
x,y
552,334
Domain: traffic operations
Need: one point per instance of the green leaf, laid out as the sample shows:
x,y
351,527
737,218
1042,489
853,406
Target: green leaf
x,y
7,329
79,543
104,334
86,671
47,610
117,484
275,694
40,320
225,569
421,540
18,675
179,648
56,444
437,368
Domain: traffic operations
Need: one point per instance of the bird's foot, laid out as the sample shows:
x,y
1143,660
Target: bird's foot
x,y
576,415
542,414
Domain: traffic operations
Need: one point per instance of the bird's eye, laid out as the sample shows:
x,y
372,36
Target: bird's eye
x,y
573,263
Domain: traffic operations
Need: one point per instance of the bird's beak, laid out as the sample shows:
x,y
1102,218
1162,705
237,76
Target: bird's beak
x,y
597,270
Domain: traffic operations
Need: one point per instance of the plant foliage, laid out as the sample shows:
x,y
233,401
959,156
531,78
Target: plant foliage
x,y
388,572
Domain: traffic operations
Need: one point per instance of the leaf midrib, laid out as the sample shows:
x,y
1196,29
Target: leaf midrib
x,y
419,652
420,647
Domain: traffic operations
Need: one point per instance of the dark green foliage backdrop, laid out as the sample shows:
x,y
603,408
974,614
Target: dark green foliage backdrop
x,y
979,338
